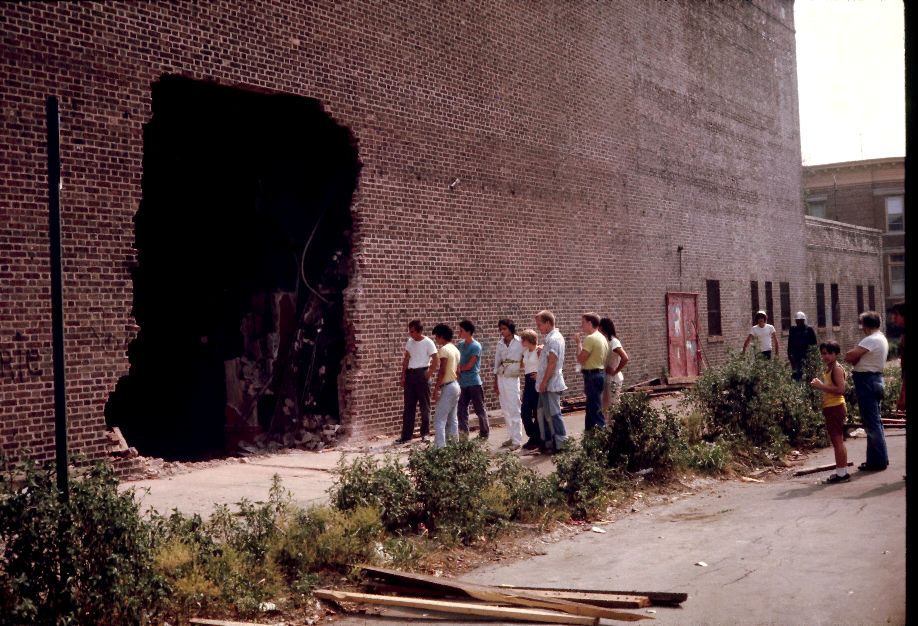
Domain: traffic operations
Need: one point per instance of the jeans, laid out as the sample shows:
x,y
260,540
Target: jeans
x,y
417,391
530,410
475,395
446,425
869,389
550,423
593,383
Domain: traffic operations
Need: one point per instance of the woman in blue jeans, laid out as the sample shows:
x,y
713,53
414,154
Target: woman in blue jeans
x,y
869,359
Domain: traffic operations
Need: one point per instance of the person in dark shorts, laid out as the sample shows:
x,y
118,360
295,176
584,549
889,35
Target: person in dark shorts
x,y
832,386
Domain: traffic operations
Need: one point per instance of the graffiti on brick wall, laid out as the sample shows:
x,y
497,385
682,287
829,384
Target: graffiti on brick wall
x,y
20,364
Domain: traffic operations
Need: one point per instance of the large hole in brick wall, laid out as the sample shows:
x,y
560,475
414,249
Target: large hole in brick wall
x,y
243,246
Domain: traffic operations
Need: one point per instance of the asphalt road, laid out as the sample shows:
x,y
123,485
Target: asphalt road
x,y
784,552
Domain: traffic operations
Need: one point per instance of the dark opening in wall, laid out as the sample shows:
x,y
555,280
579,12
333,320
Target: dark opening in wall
x,y
243,242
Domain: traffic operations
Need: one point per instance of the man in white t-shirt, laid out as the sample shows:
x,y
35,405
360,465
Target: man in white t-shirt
x,y
765,336
417,367
869,359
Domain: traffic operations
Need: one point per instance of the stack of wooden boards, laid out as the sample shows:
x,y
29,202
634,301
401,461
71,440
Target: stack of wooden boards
x,y
503,603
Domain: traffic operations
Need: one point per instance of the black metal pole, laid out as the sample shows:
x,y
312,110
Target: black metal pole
x,y
57,298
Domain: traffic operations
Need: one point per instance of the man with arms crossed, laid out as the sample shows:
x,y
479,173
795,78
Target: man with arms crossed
x,y
508,357
869,359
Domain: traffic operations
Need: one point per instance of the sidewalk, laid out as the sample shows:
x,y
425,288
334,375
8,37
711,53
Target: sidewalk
x,y
307,475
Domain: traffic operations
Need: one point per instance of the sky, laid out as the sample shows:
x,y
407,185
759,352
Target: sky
x,y
851,79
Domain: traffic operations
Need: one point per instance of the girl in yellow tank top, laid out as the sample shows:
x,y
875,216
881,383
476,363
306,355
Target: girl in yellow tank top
x,y
832,386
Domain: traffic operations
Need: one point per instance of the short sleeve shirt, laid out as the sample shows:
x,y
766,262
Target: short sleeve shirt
x,y
595,343
507,359
419,352
763,335
451,354
613,359
468,350
875,359
553,344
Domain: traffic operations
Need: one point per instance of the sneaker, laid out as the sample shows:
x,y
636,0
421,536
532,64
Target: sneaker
x,y
400,441
532,445
507,443
835,478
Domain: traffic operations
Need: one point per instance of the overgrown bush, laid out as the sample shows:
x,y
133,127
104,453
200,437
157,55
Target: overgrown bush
x,y
530,497
641,436
892,382
582,474
711,456
380,483
87,563
451,484
756,398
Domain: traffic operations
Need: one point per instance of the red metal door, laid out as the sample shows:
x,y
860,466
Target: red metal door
x,y
682,336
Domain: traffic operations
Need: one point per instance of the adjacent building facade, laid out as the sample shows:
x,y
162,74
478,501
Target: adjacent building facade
x,y
868,193
258,196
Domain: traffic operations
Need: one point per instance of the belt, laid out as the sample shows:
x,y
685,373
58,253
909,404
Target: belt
x,y
590,371
414,369
445,384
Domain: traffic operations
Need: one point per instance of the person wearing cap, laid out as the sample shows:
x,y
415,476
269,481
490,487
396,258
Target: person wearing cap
x,y
799,340
764,333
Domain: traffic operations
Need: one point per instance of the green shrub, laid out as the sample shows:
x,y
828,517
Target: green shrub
x,y
582,474
530,497
757,399
450,484
100,539
383,484
892,385
713,456
641,436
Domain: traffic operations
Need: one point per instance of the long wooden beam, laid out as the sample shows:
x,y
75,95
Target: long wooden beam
x,y
820,468
460,608
657,598
609,600
498,595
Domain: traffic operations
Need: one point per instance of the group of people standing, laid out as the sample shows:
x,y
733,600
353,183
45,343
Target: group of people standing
x,y
868,359
536,407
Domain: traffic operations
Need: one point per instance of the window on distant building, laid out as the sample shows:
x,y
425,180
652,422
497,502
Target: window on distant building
x,y
895,216
769,305
785,305
860,299
897,274
836,306
714,307
871,298
754,293
820,305
816,208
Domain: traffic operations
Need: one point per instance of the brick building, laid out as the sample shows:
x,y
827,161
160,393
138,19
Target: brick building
x,y
868,193
257,196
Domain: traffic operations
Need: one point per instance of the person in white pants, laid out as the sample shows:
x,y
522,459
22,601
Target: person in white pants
x,y
508,360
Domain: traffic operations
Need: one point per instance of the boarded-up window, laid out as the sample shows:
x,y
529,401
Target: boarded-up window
x,y
754,297
785,305
769,304
836,307
714,308
871,298
860,299
820,305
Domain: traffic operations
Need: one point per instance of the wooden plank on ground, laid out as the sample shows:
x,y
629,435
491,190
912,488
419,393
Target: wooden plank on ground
x,y
496,595
459,608
820,468
657,598
222,622
608,600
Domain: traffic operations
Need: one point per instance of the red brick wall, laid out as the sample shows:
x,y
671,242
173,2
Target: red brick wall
x,y
848,256
591,140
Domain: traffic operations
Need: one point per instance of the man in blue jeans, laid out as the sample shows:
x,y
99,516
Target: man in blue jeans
x,y
869,359
470,389
550,384
592,348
